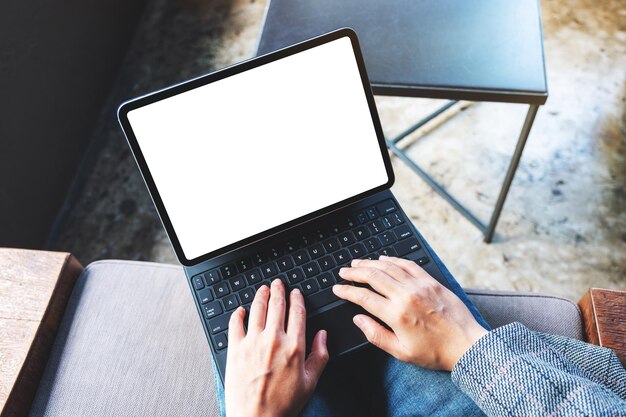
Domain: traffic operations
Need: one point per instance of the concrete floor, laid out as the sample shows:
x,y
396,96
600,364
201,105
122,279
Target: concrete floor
x,y
563,228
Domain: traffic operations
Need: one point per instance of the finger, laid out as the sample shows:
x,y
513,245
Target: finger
x,y
379,336
296,322
276,307
377,279
258,310
317,359
369,300
235,326
389,268
410,267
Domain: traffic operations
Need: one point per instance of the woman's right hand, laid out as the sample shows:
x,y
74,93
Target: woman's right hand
x,y
430,325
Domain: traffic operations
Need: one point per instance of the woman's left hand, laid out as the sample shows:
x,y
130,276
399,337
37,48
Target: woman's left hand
x,y
266,370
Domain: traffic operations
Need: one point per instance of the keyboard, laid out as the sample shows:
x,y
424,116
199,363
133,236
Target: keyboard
x,y
309,261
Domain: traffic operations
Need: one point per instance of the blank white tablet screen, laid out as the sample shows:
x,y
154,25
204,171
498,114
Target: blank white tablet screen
x,y
250,152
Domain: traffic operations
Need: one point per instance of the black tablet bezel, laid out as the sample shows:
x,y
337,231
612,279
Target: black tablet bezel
x,y
128,106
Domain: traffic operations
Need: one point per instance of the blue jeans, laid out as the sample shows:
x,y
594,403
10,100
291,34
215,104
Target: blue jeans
x,y
372,382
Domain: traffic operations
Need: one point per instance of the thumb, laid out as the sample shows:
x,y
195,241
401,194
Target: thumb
x,y
378,335
317,359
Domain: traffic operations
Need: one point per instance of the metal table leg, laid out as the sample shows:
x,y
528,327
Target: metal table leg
x,y
423,121
508,179
440,189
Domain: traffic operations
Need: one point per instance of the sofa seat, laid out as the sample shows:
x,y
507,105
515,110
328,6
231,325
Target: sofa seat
x,y
131,344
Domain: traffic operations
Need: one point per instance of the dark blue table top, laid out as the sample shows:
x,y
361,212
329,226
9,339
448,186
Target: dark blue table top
x,y
484,50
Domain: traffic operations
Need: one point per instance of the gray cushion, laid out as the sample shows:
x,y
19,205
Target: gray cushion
x,y
131,343
542,313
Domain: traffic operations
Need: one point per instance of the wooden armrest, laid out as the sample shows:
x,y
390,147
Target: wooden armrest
x,y
34,289
604,315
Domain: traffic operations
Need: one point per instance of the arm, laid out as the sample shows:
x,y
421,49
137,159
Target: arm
x,y
514,370
508,371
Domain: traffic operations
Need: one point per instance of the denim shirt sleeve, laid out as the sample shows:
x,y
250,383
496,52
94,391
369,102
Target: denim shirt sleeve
x,y
512,371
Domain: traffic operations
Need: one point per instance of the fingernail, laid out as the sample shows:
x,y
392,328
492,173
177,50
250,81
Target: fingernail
x,y
356,261
358,320
295,291
324,336
337,288
276,281
343,271
383,257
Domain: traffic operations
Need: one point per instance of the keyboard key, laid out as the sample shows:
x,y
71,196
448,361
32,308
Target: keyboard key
x,y
300,257
342,257
335,274
320,299
205,296
357,251
387,252
285,264
387,238
260,284
346,239
219,323
269,270
290,246
348,223
388,222
325,280
422,261
331,244
220,341
307,239
295,276
244,265
275,253
198,282
221,289
402,232
310,269
334,228
361,233
372,244
326,262
237,283
228,271
252,276
231,302
371,213
321,234
316,251
361,217
246,296
259,258
212,277
386,207
212,309
407,246
309,287
397,218
375,227
283,278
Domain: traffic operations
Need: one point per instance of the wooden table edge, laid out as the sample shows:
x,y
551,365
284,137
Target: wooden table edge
x,y
592,315
22,394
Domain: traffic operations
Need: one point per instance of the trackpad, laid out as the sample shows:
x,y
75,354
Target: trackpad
x,y
343,335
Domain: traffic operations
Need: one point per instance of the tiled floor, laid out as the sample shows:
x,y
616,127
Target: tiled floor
x,y
563,228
